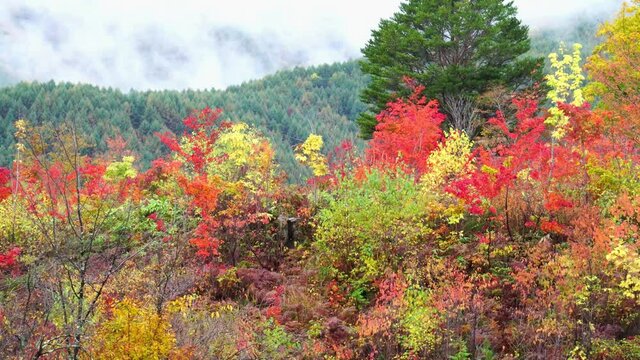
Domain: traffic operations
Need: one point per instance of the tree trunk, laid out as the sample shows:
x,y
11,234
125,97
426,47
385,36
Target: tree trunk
x,y
463,113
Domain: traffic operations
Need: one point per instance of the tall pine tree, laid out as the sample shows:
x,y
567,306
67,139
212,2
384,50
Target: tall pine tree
x,y
457,49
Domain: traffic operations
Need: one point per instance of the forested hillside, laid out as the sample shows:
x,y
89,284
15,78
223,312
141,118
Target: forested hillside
x,y
286,107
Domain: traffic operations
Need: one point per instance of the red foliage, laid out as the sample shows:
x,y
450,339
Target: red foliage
x,y
65,184
390,289
203,192
586,125
342,160
275,307
159,223
407,132
204,127
551,227
516,273
204,241
203,119
334,294
94,182
118,147
555,202
524,151
9,258
204,197
5,183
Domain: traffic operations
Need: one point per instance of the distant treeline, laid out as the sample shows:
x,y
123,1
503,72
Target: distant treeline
x,y
286,107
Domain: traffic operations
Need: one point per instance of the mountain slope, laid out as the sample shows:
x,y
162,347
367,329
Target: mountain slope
x,y
286,106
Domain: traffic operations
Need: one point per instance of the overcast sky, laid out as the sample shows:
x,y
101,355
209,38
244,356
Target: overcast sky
x,y
203,44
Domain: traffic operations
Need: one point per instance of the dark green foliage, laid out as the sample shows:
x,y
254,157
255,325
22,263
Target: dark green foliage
x,y
457,49
286,106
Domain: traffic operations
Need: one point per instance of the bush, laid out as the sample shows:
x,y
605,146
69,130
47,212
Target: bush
x,y
370,225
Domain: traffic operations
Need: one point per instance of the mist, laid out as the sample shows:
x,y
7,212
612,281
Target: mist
x,y
215,44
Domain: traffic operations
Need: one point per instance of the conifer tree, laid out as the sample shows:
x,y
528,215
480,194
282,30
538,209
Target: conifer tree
x,y
457,49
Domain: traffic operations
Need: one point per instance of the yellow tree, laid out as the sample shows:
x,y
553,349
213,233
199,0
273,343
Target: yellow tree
x,y
308,153
446,163
614,66
132,332
565,82
250,201
566,87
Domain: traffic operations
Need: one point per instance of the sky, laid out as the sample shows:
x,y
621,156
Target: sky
x,y
145,44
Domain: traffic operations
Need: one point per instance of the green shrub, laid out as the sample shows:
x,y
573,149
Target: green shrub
x,y
370,225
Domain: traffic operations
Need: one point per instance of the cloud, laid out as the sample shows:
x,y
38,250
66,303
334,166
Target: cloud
x,y
200,44
560,13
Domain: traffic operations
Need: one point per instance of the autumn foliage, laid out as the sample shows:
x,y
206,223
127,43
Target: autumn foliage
x,y
521,243
407,131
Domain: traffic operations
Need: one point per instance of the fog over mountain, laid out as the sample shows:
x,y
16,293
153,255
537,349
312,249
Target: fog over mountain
x,y
197,44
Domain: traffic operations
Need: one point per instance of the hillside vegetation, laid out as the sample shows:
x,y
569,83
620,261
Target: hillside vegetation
x,y
129,233
286,107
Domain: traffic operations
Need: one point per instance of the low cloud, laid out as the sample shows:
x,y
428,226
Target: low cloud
x,y
554,13
197,44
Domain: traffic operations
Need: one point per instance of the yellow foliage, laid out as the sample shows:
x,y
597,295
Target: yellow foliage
x,y
120,170
489,170
237,144
21,126
566,87
613,65
182,304
449,161
133,332
248,157
18,227
309,154
524,175
240,158
566,80
629,262
419,322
